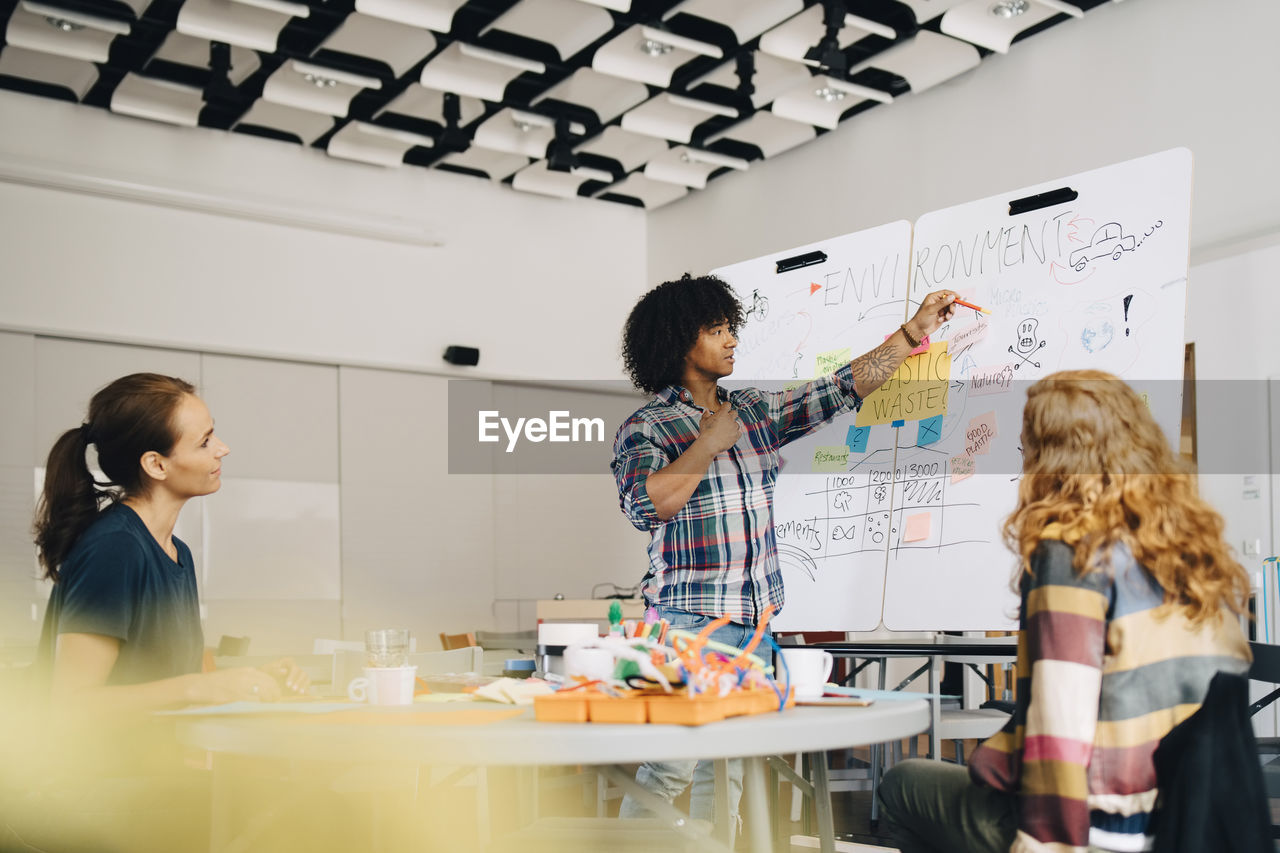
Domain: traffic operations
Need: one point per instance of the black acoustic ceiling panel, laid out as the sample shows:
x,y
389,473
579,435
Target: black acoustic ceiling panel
x,y
631,101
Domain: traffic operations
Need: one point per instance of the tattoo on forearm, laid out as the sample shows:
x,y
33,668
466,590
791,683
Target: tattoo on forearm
x,y
873,368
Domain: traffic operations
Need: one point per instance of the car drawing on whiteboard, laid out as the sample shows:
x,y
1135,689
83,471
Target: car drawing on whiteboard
x,y
1110,239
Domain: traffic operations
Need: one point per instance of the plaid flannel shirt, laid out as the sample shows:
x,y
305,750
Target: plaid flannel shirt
x,y
718,555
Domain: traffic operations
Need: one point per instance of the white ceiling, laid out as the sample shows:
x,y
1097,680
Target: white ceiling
x,y
631,101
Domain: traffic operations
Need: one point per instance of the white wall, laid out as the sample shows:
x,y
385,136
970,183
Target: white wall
x,y
1231,305
540,285
516,275
1126,80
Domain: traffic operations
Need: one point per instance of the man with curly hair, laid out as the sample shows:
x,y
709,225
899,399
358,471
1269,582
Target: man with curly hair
x,y
696,468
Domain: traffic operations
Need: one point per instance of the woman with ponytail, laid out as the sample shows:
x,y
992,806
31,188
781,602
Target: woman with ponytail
x,y
122,629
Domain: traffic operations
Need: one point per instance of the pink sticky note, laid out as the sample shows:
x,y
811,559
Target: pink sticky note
x,y
978,435
962,468
917,528
924,344
992,379
967,337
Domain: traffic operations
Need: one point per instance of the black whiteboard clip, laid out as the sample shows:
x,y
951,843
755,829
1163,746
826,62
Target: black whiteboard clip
x,y
808,259
1061,195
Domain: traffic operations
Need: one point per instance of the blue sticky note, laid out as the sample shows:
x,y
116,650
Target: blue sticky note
x,y
897,423
856,440
930,430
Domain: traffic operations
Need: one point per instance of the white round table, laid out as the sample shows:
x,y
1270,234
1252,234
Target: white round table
x,y
522,741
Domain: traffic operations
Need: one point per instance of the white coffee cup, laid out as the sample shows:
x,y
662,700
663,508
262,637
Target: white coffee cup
x,y
591,664
384,685
809,670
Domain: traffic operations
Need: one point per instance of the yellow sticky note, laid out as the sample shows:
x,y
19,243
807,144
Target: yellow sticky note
x,y
830,362
917,527
830,460
918,390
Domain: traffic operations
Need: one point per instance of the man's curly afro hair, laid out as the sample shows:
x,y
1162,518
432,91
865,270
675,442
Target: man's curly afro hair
x,y
665,324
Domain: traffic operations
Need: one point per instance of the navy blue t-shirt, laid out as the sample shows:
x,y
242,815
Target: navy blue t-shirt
x,y
118,582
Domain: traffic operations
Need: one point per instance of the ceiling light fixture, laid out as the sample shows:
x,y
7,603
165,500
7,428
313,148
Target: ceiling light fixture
x,y
69,21
857,91
1010,8
325,78
62,24
527,121
672,40
829,94
653,47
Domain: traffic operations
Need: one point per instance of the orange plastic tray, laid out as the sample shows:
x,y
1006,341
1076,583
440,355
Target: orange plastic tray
x,y
685,711
611,709
561,707
579,707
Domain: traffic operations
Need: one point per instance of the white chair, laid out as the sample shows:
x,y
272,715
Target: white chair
x,y
961,724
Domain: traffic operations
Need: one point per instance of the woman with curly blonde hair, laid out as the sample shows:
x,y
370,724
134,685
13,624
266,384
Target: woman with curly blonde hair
x,y
1130,605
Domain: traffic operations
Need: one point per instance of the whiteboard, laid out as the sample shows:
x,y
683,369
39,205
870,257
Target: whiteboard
x,y
831,527
905,531
1094,282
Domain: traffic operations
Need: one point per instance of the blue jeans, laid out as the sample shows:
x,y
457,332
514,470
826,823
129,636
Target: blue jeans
x,y
668,779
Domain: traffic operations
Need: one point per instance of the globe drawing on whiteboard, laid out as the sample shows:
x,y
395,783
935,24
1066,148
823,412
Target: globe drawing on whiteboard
x,y
1097,335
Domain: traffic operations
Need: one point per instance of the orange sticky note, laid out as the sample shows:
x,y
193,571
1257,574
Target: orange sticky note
x,y
962,468
917,528
977,438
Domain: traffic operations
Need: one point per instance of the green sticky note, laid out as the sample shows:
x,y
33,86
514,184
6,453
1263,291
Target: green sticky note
x,y
830,460
830,362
